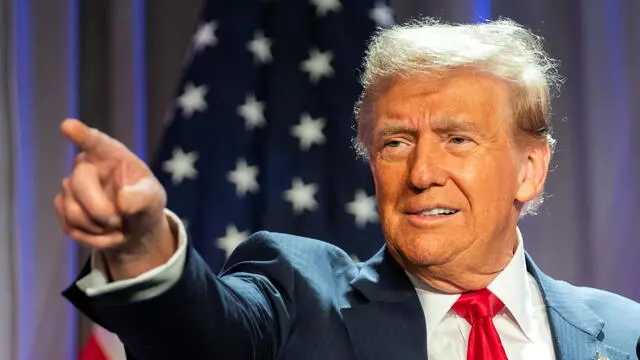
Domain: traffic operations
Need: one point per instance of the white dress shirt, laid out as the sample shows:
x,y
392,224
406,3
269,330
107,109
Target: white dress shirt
x,y
522,324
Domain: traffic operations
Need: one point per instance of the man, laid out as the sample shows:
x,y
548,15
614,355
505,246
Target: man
x,y
454,121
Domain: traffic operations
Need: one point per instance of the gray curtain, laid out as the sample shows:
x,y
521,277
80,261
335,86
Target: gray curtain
x,y
6,216
115,64
37,85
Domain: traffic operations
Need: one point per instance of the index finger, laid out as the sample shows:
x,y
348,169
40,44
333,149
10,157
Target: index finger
x,y
89,140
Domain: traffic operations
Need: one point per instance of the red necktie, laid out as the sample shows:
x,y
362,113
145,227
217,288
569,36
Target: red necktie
x,y
479,308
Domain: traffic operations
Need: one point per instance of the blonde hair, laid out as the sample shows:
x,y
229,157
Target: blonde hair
x,y
501,48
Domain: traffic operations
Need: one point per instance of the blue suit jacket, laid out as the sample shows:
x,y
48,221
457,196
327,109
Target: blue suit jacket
x,y
286,297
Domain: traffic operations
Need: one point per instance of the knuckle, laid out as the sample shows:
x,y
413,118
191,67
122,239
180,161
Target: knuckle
x,y
67,187
74,213
83,173
77,217
61,215
79,169
57,202
79,236
80,158
58,205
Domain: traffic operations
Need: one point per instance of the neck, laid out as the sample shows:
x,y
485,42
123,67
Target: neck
x,y
454,283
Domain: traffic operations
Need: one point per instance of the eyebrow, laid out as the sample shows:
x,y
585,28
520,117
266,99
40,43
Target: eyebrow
x,y
395,130
440,126
451,125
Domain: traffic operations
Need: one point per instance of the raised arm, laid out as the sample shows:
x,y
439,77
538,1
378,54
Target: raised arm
x,y
112,203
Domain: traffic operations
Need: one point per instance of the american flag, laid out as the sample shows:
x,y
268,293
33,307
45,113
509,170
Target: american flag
x,y
259,137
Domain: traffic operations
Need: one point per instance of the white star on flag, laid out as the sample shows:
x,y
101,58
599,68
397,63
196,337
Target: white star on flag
x,y
205,36
301,196
253,112
318,65
363,207
192,99
244,178
260,46
324,6
309,131
231,239
382,14
181,165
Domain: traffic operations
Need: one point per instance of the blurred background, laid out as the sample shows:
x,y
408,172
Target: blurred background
x,y
243,110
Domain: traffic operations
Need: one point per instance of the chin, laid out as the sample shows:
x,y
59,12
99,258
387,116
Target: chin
x,y
422,249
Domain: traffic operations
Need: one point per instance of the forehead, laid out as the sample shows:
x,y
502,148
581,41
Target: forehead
x,y
464,95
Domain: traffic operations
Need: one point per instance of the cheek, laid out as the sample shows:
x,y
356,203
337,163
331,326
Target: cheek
x,y
487,181
388,180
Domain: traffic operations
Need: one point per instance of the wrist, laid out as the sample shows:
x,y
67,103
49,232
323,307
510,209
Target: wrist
x,y
141,255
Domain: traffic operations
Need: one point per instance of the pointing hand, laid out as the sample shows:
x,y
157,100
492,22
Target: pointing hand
x,y
111,202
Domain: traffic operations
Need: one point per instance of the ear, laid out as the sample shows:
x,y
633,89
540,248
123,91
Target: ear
x,y
533,173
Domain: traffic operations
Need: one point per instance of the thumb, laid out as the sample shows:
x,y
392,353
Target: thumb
x,y
144,197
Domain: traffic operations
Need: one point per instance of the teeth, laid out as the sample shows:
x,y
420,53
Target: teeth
x,y
438,211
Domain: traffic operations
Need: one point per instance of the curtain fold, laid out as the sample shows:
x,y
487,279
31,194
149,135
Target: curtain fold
x,y
611,141
7,280
40,44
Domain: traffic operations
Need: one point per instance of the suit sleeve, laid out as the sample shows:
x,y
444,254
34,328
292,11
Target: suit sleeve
x,y
244,314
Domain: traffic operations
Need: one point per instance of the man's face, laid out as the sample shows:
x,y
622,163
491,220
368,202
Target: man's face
x,y
447,171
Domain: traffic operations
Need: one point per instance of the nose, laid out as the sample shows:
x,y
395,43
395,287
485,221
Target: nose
x,y
426,167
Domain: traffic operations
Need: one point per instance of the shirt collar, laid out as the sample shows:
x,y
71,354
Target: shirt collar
x,y
511,286
435,304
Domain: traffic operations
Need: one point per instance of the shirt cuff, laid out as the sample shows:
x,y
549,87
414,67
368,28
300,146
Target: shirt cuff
x,y
146,285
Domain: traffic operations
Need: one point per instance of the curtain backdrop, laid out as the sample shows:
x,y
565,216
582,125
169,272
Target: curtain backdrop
x,y
115,64
38,81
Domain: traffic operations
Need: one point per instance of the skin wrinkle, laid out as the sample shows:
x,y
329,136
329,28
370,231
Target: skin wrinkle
x,y
449,141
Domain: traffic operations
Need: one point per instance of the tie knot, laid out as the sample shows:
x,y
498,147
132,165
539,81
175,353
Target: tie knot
x,y
477,304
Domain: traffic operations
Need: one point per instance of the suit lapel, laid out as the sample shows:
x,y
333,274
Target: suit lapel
x,y
577,330
389,324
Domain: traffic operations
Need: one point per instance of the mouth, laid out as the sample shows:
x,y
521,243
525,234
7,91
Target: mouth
x,y
431,216
438,211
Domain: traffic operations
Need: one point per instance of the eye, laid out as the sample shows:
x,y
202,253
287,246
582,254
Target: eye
x,y
395,149
393,143
458,140
460,144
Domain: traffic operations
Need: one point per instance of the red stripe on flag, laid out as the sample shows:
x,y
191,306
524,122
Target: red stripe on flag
x,y
92,350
